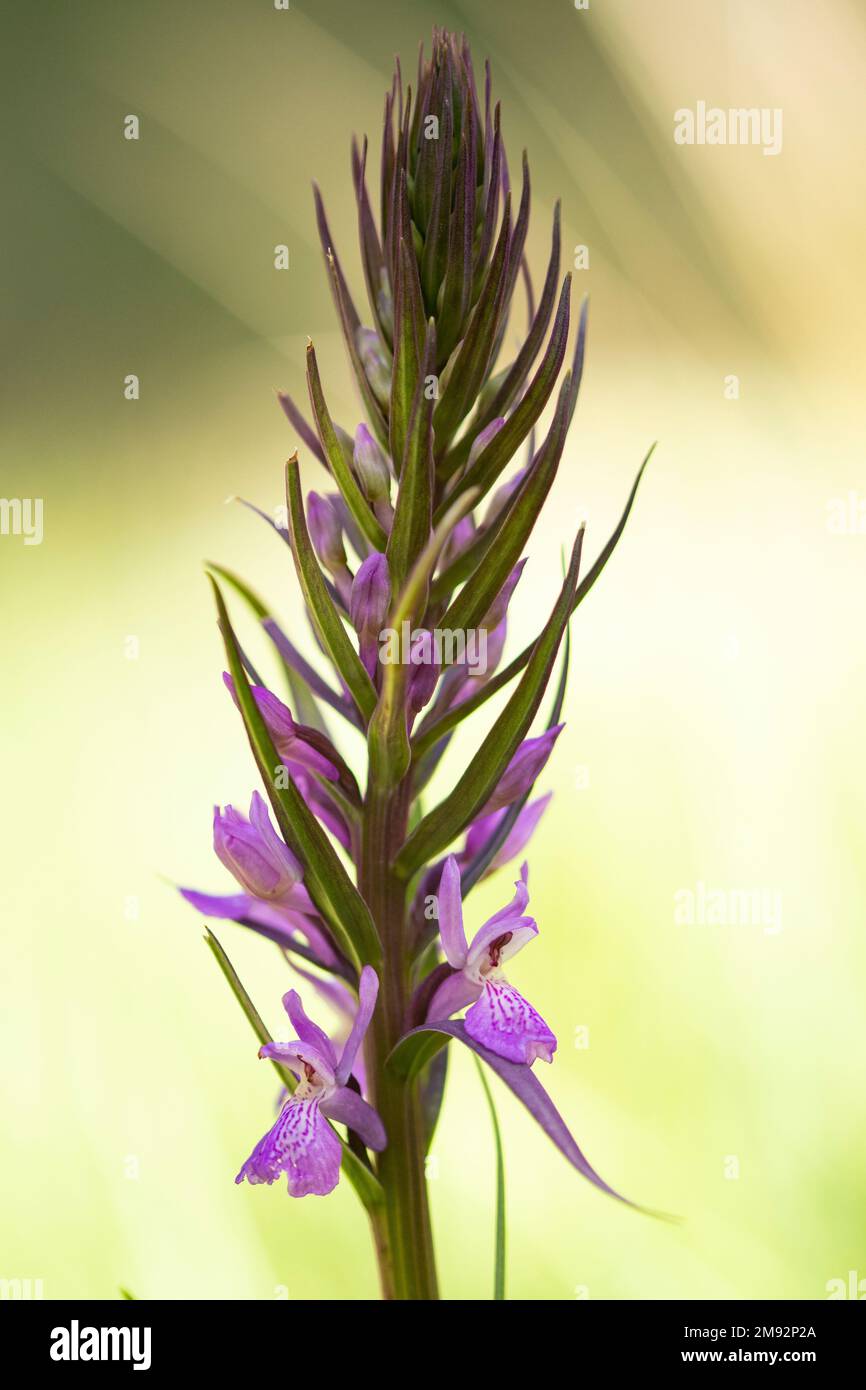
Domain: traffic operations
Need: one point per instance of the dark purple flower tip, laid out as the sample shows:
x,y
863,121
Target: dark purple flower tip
x,y
326,533
282,728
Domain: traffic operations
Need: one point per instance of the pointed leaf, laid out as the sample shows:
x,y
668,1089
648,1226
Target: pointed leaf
x,y
502,447
416,1048
477,867
339,464
409,334
506,392
473,358
512,529
477,783
430,734
390,752
336,897
499,1245
299,687
410,528
329,627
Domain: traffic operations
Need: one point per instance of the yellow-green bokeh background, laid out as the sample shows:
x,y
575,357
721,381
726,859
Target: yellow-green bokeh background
x,y
717,680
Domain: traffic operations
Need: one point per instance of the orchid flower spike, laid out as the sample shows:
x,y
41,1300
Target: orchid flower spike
x,y
500,1018
302,1143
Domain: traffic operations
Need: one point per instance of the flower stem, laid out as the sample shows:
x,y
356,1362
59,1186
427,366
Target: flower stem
x,y
402,1231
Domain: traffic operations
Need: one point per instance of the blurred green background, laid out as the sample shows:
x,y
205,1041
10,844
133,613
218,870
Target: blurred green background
x,y
714,731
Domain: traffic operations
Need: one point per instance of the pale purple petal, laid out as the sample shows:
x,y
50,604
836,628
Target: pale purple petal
x,y
497,941
348,1108
276,921
368,989
517,838
304,1058
507,915
450,908
453,994
303,1146
260,819
507,1024
284,731
368,609
523,769
529,1091
306,1029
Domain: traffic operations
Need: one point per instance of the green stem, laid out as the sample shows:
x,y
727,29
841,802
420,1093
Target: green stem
x,y
402,1230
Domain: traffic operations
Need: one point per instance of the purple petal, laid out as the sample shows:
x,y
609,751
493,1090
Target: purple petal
x,y
326,533
453,994
275,921
523,769
517,838
508,937
303,1146
306,1029
368,989
284,732
348,1108
507,1024
529,1090
300,1057
516,909
450,907
368,609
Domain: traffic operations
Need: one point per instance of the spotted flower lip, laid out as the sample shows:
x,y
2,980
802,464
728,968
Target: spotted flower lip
x,y
500,1018
302,1143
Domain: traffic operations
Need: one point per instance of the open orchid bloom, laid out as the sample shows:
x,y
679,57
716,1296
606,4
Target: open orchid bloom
x,y
302,1143
500,1018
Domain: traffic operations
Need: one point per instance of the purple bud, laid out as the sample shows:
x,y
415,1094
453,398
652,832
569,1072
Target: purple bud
x,y
253,852
375,364
523,769
282,728
371,467
499,607
326,533
368,609
480,442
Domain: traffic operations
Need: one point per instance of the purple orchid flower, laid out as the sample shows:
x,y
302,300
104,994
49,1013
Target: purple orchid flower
x,y
339,997
302,1143
261,862
274,901
500,1018
288,741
